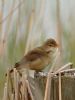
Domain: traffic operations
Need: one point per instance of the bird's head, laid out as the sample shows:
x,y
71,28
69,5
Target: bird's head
x,y
50,45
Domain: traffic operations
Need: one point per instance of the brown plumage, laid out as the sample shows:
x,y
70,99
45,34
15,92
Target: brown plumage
x,y
38,58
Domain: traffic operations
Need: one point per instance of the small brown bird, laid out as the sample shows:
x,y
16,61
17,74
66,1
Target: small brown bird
x,y
38,58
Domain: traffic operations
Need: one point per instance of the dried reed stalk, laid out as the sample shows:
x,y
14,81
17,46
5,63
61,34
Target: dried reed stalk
x,y
30,26
18,26
41,14
14,9
6,88
59,26
12,97
29,90
21,88
5,96
59,33
1,29
16,84
1,16
7,81
2,45
11,85
24,89
48,87
31,45
60,94
68,70
9,20
62,68
49,78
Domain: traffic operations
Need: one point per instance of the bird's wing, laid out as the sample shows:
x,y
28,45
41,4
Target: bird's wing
x,y
35,59
35,54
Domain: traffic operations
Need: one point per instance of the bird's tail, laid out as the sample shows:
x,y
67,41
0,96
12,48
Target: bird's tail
x,y
15,66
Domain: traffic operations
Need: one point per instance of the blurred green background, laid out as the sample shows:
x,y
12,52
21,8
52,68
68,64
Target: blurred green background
x,y
25,24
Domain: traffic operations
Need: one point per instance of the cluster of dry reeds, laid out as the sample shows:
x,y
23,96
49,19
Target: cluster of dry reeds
x,y
17,87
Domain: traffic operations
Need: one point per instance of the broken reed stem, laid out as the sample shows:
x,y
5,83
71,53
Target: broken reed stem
x,y
16,88
68,70
60,94
62,68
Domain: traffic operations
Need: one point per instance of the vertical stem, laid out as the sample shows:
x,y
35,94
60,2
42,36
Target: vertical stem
x,y
5,96
9,20
12,96
11,85
18,28
29,90
1,29
49,79
59,31
59,26
1,16
48,88
24,89
30,26
16,84
1,13
60,95
8,76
